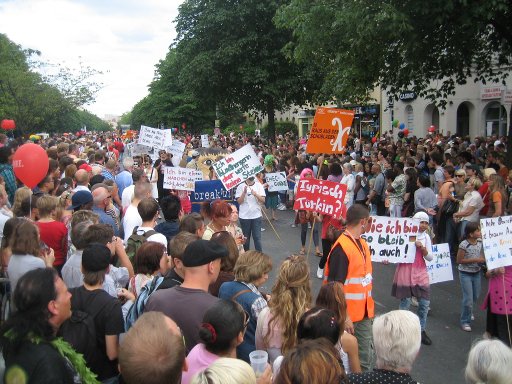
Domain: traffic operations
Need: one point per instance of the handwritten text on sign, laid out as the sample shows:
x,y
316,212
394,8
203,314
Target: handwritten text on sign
x,y
238,166
440,267
497,241
322,196
179,178
329,133
177,148
392,238
155,138
276,181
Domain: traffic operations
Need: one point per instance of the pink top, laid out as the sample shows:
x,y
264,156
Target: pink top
x,y
500,292
197,360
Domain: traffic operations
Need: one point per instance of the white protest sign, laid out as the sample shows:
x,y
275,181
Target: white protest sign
x,y
179,178
276,181
392,239
205,143
440,267
237,167
176,149
497,241
155,138
139,149
257,132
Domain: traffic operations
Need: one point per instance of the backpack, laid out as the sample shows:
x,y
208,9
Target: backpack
x,y
135,241
79,330
137,308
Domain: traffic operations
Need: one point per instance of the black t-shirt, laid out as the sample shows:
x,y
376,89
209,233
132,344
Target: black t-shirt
x,y
338,264
108,320
165,163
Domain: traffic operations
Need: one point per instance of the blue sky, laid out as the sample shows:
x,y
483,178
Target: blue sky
x,y
123,39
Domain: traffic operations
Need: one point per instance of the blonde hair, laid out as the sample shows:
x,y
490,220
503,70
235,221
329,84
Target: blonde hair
x,y
226,371
46,204
251,266
20,195
291,297
487,172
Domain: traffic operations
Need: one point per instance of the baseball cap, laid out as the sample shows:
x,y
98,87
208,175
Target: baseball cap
x,y
95,257
194,153
85,167
80,198
201,252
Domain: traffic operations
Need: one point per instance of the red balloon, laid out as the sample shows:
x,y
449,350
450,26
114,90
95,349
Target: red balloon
x,y
30,164
432,128
374,140
8,124
406,132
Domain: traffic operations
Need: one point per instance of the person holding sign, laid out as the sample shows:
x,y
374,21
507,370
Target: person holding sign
x,y
411,279
349,262
249,196
497,302
271,198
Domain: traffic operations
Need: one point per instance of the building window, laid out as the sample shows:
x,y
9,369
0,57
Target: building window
x,y
409,116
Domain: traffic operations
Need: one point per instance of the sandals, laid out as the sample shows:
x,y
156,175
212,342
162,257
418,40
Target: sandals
x,y
318,254
302,252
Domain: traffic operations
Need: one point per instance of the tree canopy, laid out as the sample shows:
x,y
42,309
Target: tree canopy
x,y
427,47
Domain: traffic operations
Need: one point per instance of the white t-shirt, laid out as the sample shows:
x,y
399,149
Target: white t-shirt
x,y
250,207
131,220
157,237
472,199
127,196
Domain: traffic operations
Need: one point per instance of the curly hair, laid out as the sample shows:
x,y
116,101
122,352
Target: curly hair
x,y
291,297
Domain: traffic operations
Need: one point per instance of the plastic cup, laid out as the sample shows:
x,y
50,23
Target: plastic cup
x,y
258,361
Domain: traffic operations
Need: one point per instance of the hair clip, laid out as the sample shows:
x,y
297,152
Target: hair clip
x,y
333,321
210,328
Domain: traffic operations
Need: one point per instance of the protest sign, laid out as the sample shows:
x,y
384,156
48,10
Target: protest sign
x,y
392,239
440,267
238,166
176,149
179,178
208,191
257,132
139,149
497,241
276,181
198,175
155,138
205,143
329,133
322,196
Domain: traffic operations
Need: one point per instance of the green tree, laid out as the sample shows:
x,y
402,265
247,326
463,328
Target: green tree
x,y
233,56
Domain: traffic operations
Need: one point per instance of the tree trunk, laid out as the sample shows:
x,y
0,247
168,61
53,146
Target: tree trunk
x,y
271,120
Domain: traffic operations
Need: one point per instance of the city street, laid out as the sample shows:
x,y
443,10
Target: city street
x,y
443,361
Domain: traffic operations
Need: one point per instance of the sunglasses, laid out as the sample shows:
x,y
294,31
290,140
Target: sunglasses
x,y
459,175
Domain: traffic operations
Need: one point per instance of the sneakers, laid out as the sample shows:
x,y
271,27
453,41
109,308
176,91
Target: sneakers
x,y
309,225
466,327
472,317
281,207
425,339
294,225
414,301
262,229
320,273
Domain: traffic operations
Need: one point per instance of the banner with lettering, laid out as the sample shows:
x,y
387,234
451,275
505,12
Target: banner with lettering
x,y
276,181
205,143
209,190
440,267
330,130
155,138
497,241
238,166
392,238
322,196
179,178
176,149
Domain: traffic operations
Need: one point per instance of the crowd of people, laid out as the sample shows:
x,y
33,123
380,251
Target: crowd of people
x,y
114,279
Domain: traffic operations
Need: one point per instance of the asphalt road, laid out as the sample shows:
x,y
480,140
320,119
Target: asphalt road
x,y
443,361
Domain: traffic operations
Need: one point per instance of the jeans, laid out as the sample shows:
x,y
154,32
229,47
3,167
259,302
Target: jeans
x,y
364,335
423,305
395,210
304,232
470,284
252,227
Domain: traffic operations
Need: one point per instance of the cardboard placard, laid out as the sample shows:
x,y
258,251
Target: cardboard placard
x,y
440,267
497,241
205,142
179,178
155,138
322,196
238,166
276,181
177,148
330,130
392,238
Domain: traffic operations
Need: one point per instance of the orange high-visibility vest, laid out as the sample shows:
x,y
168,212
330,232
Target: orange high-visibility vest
x,y
357,295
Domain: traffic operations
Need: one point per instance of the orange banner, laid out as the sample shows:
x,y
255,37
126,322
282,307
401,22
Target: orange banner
x,y
330,130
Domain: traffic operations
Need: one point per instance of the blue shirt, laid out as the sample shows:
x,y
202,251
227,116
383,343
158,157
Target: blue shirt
x,y
105,218
123,180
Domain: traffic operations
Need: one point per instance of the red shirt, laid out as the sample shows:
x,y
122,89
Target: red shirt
x,y
55,235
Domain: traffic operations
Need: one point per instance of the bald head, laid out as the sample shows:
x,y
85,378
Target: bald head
x,y
99,196
82,177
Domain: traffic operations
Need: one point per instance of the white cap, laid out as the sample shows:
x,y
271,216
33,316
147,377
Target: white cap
x,y
421,216
194,153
